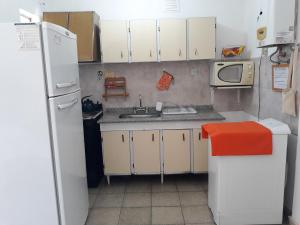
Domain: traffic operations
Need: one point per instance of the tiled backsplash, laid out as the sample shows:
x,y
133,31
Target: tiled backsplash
x,y
191,86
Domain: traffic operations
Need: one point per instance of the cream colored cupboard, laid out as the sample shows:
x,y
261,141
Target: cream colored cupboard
x,y
172,39
143,40
176,151
146,152
116,152
114,39
201,38
200,151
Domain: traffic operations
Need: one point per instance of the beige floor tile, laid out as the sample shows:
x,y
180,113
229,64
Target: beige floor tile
x,y
109,200
165,187
135,216
104,216
94,191
196,214
113,188
92,199
200,224
135,187
189,186
193,198
167,215
165,199
137,200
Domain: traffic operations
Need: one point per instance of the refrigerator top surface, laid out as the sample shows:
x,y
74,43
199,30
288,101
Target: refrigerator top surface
x,y
58,29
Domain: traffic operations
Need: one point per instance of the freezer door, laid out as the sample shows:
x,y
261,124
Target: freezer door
x,y
69,154
60,49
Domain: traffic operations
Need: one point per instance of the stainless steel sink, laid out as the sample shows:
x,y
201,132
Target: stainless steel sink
x,y
139,115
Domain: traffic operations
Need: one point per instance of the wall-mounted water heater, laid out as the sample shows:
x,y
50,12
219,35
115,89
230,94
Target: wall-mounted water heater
x,y
275,22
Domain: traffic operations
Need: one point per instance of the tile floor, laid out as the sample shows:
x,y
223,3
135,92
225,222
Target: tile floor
x,y
142,200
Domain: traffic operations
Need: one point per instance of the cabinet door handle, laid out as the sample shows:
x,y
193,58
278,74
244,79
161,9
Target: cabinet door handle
x,y
123,138
196,51
183,137
153,137
199,136
179,52
150,53
121,54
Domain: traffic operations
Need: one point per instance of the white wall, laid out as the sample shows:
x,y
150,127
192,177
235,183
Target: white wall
x,y
251,14
9,9
230,13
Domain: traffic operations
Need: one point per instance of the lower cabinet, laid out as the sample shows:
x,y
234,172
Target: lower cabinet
x,y
146,152
116,152
200,150
154,152
176,148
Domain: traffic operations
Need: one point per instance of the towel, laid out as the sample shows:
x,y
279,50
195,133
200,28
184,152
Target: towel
x,y
238,138
165,81
289,95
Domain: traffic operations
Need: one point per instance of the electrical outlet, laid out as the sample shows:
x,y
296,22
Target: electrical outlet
x,y
194,72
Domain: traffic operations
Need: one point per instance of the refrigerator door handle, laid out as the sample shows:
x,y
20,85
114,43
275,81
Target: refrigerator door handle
x,y
66,85
67,105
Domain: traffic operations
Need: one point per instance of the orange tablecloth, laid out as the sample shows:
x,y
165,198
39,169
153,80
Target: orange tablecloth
x,y
238,138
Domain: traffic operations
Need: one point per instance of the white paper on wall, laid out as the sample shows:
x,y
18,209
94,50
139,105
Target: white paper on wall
x,y
281,77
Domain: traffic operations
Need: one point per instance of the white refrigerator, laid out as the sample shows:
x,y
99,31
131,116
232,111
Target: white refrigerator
x,y
42,160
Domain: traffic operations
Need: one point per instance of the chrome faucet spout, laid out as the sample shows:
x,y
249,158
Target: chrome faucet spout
x,y
140,98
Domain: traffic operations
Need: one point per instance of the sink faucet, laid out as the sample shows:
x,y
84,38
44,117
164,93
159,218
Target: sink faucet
x,y
141,108
140,97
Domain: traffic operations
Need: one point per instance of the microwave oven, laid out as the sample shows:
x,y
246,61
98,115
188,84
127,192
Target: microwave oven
x,y
232,74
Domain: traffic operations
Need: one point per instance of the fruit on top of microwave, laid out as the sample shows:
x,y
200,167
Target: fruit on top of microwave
x,y
233,51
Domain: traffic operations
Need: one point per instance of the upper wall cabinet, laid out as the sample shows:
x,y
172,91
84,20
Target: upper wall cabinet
x,y
202,38
172,39
86,26
143,40
114,39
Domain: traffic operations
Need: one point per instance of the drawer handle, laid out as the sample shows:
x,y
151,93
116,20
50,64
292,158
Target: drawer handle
x,y
199,136
183,137
179,52
150,53
123,138
153,137
121,54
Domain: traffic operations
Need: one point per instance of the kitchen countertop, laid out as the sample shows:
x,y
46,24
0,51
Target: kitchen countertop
x,y
204,113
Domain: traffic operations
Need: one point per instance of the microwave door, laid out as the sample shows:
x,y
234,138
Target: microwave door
x,y
231,74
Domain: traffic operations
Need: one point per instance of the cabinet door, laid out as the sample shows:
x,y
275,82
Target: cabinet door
x,y
202,38
200,152
176,151
116,153
172,38
114,41
146,152
58,18
85,26
143,40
